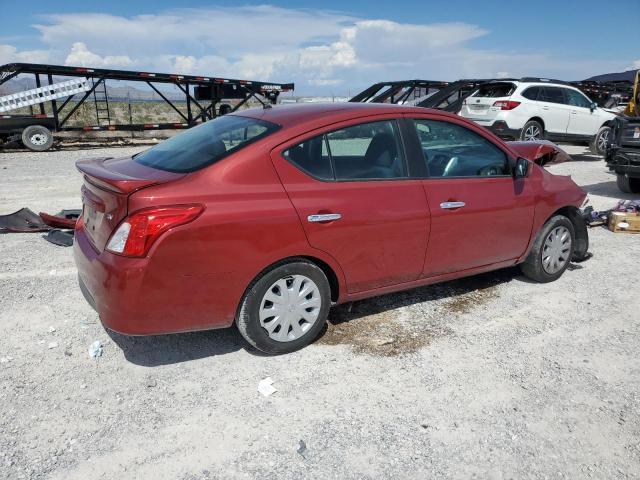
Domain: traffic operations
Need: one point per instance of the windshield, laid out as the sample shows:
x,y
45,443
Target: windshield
x,y
205,144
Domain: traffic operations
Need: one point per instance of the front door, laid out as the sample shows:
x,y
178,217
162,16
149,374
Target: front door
x,y
582,120
351,190
480,215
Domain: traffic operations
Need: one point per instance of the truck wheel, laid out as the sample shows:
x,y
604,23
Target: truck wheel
x,y
37,138
628,185
598,144
532,131
224,109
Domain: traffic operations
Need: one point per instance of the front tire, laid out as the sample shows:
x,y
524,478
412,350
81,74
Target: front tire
x,y
37,138
285,308
627,184
551,252
532,131
598,145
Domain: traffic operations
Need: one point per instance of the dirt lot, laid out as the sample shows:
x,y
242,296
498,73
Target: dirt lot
x,y
491,377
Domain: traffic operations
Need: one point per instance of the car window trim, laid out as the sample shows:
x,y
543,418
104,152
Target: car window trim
x,y
369,119
411,117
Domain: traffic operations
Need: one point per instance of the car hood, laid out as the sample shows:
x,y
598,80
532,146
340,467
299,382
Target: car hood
x,y
542,152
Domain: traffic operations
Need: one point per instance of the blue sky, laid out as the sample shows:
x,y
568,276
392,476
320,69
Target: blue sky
x,y
328,47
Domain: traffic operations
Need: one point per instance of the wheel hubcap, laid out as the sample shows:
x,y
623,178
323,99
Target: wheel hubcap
x,y
556,251
290,307
532,133
38,139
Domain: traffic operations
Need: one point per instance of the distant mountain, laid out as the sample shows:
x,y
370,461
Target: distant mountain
x,y
628,76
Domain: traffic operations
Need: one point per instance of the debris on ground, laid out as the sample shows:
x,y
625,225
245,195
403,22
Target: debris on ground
x,y
52,345
22,221
265,387
52,329
62,238
302,449
59,227
95,350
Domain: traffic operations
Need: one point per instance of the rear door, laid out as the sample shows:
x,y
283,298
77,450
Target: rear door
x,y
350,186
480,215
554,110
582,120
480,108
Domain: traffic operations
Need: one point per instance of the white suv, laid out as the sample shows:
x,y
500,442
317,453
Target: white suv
x,y
535,109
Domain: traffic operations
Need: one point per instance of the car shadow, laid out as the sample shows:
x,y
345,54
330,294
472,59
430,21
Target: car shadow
x,y
454,289
608,189
156,350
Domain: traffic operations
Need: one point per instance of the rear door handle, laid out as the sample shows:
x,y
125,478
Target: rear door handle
x,y
325,217
451,205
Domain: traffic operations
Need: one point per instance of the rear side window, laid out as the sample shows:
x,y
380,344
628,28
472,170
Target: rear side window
x,y
368,151
205,144
531,93
495,90
551,95
452,150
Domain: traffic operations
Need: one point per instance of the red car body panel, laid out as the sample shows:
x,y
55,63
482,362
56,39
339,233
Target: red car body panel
x,y
392,235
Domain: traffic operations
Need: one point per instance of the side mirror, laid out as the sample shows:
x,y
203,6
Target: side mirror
x,y
521,168
593,106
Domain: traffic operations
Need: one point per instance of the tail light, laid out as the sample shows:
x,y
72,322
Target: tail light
x,y
506,104
135,235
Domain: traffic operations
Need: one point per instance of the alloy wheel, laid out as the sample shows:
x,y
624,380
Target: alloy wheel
x,y
290,307
602,140
532,133
556,250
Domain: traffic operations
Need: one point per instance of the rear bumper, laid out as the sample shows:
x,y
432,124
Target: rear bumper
x,y
135,296
502,130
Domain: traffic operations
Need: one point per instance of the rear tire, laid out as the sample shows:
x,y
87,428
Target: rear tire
x,y
627,184
551,252
532,131
37,138
298,293
598,144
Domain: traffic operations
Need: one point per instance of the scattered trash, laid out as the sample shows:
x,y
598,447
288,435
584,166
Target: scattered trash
x,y
62,238
95,350
22,221
6,359
265,387
52,345
58,221
302,449
151,382
52,329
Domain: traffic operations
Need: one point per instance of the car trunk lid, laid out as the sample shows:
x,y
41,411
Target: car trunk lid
x,y
480,107
108,182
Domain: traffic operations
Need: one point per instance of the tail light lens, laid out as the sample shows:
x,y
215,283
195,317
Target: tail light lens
x,y
506,104
135,235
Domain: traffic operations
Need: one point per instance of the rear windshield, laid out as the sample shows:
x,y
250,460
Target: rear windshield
x,y
494,90
205,144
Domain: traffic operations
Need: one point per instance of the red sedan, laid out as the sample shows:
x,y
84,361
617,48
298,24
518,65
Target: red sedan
x,y
267,217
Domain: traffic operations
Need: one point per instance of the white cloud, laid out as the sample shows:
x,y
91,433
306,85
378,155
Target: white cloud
x,y
319,50
82,57
10,54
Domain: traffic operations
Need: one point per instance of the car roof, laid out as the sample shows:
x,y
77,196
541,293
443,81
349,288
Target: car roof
x,y
294,114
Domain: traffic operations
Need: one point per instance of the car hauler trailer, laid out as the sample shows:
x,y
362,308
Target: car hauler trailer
x,y
203,96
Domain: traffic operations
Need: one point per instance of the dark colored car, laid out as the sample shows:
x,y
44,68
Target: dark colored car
x,y
267,217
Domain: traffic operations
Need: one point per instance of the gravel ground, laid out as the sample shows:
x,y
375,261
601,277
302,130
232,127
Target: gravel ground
x,y
490,377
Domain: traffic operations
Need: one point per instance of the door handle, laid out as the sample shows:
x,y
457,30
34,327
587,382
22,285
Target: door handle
x,y
324,217
451,205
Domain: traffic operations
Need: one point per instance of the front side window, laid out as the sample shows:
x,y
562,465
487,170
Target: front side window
x,y
576,99
452,150
205,144
368,151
